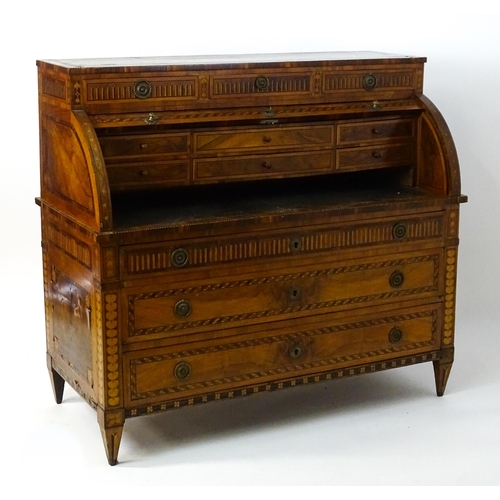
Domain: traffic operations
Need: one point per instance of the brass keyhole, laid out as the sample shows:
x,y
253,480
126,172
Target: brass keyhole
x,y
295,352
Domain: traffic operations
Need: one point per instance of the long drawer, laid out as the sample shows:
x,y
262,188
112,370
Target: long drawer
x,y
191,307
289,352
178,258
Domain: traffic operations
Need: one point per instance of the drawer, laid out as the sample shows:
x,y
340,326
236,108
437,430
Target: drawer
x,y
285,353
262,166
144,145
371,132
161,258
263,139
262,297
130,175
378,156
228,85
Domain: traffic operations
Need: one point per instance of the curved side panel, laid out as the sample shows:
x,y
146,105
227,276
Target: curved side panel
x,y
98,177
438,170
72,168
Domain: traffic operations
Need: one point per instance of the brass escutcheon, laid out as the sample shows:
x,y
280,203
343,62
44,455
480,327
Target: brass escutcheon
x,y
182,370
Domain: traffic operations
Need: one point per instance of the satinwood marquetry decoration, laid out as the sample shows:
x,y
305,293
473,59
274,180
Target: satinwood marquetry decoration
x,y
216,227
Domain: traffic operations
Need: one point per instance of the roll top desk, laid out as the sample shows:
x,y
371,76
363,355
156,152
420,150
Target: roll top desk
x,y
214,227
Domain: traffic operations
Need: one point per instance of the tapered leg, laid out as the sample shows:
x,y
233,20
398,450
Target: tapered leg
x,y
442,369
111,424
441,372
57,385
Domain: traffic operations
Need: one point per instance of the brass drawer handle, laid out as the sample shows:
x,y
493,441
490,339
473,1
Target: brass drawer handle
x,y
369,81
296,352
399,231
377,154
143,89
144,173
262,82
182,370
267,165
395,335
376,131
179,257
267,139
182,308
396,279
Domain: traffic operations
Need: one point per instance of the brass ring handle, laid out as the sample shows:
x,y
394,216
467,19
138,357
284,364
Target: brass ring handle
x,y
395,335
399,231
182,370
143,89
369,81
262,82
179,257
182,308
396,279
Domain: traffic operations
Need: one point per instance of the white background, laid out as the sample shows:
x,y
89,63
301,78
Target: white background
x,y
384,429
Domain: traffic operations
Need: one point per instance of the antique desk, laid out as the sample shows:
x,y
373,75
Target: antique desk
x,y
214,227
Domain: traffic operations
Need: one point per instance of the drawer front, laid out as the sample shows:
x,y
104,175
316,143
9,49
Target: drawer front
x,y
379,156
130,175
263,139
304,349
262,83
259,298
372,132
156,259
261,167
144,145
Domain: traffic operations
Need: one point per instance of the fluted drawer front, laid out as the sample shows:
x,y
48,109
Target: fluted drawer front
x,y
257,298
288,352
177,257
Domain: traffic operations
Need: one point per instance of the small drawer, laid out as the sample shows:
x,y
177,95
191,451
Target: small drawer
x,y
375,157
371,132
130,175
286,352
263,139
260,167
228,85
247,299
144,145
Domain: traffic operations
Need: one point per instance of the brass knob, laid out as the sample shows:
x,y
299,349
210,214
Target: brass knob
x,y
179,257
294,293
295,352
376,131
267,165
395,335
144,173
144,146
182,370
396,279
152,119
377,154
399,231
262,82
143,89
267,139
182,308
369,81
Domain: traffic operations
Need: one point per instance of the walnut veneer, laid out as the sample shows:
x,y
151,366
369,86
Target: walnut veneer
x,y
220,226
